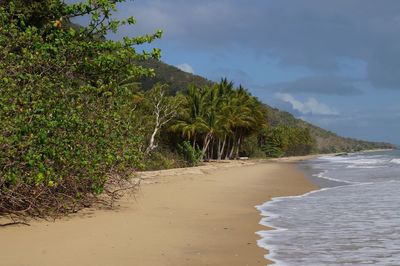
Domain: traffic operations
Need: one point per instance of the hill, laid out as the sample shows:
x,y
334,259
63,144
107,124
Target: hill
x,y
176,79
326,141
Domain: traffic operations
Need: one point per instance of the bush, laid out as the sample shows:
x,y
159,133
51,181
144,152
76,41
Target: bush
x,y
192,155
272,150
67,110
251,148
164,159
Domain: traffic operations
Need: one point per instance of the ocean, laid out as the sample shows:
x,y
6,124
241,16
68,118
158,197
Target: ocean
x,y
354,219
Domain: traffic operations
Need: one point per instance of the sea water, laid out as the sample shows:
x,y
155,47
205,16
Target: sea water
x,y
353,220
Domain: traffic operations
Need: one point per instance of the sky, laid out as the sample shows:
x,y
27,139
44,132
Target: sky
x,y
335,64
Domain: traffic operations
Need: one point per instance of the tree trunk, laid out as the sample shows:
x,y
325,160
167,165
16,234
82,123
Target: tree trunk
x,y
238,147
221,150
152,144
233,146
227,149
223,146
206,142
194,143
212,149
232,150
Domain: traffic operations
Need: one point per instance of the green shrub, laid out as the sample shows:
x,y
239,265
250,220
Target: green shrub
x,y
192,155
272,150
67,111
164,159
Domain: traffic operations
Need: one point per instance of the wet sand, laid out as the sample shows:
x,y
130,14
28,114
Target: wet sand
x,y
197,216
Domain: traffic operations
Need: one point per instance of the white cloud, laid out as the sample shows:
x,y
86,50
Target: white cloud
x,y
186,67
311,106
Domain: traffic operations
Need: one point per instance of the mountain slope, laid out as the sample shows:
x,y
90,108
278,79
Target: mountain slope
x,y
326,141
177,79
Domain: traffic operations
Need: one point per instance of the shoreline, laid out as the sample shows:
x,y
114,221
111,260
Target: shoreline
x,y
193,216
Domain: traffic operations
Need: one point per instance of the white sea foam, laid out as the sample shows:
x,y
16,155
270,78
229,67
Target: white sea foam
x,y
269,216
395,161
323,175
363,167
355,160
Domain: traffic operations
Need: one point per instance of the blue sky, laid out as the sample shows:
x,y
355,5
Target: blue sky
x,y
333,63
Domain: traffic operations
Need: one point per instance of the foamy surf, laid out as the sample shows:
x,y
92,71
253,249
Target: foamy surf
x,y
395,161
339,225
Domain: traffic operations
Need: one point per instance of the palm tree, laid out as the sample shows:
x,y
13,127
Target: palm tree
x,y
245,117
190,122
219,117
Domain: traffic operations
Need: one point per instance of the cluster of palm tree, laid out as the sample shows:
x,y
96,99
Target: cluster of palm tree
x,y
218,118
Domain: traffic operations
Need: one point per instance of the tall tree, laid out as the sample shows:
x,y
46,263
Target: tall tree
x,y
163,108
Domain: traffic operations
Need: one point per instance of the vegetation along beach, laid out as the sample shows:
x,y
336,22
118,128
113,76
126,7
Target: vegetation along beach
x,y
110,156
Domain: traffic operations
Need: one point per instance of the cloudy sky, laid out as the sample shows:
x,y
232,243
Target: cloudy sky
x,y
335,63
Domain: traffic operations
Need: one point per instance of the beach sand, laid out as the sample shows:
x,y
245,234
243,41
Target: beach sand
x,y
197,216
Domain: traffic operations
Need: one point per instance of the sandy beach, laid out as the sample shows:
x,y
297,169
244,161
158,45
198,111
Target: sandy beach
x,y
197,216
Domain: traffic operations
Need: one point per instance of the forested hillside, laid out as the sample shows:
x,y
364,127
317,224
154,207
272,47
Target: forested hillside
x,y
324,141
175,78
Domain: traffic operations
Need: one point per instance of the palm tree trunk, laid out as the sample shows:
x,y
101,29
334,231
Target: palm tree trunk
x,y
232,150
194,142
206,143
221,149
212,149
238,147
233,146
227,149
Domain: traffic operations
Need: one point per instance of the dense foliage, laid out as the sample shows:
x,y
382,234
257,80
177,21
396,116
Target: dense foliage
x,y
75,120
286,141
221,122
66,104
217,119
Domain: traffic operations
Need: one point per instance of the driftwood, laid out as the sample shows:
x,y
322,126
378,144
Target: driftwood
x,y
14,223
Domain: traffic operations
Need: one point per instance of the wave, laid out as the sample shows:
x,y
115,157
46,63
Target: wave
x,y
323,175
360,162
395,161
352,160
363,167
268,216
276,211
